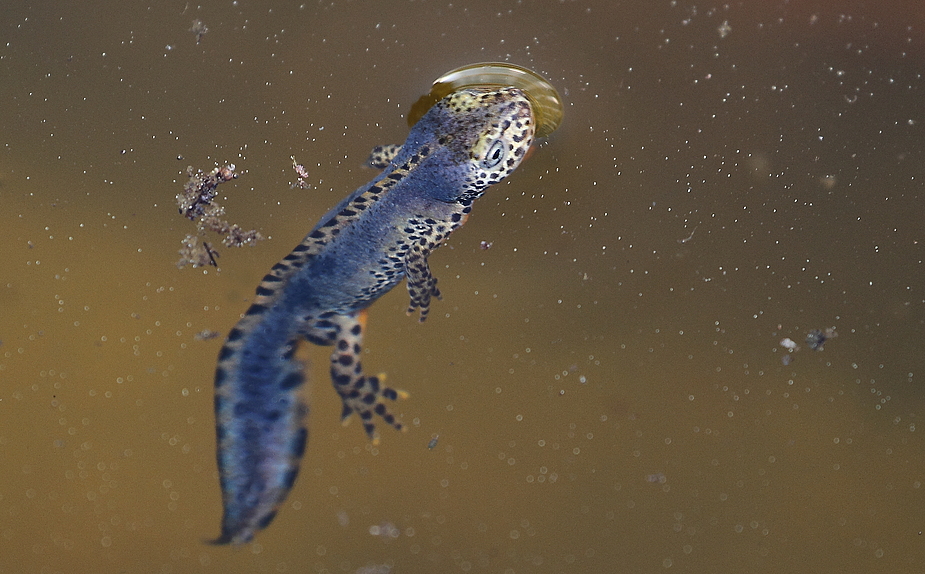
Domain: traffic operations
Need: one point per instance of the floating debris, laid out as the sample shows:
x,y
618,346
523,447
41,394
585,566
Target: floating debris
x,y
433,442
206,334
199,29
791,347
385,530
789,343
199,191
485,245
816,339
196,203
689,237
197,253
300,170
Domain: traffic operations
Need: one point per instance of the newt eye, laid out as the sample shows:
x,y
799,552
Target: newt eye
x,y
494,155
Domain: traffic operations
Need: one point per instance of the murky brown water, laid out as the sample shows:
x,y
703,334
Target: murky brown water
x,y
607,381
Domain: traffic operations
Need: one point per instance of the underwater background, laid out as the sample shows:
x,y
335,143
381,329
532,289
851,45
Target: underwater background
x,y
618,377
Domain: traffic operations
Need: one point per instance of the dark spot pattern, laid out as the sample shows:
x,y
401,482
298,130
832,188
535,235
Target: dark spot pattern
x,y
291,381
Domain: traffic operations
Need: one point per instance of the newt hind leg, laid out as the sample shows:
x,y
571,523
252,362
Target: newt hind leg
x,y
361,394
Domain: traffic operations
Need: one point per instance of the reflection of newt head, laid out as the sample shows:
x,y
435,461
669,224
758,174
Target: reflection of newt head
x,y
544,99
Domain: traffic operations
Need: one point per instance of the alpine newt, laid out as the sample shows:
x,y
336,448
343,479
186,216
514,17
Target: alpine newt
x,y
382,232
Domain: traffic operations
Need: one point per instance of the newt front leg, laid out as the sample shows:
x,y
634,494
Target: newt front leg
x,y
422,285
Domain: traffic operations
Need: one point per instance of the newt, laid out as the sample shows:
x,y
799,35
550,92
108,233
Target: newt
x,y
380,234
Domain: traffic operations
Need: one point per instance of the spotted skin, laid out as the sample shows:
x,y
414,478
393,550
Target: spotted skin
x,y
382,156
378,235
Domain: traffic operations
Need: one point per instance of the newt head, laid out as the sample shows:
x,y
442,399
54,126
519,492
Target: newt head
x,y
482,134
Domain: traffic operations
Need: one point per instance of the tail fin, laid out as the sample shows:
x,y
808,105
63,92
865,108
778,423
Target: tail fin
x,y
259,422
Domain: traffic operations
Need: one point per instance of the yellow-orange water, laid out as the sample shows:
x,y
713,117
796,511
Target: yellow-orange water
x,y
606,382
